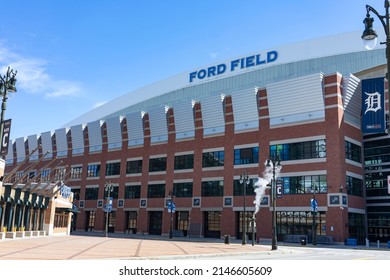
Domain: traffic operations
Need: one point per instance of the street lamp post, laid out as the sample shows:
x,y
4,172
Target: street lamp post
x,y
274,163
244,180
314,206
370,36
7,84
108,207
253,226
171,209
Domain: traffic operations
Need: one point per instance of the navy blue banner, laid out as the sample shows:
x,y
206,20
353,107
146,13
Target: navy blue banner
x,y
5,140
373,106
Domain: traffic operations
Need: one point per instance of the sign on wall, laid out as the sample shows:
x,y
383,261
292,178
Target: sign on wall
x,y
388,184
5,140
373,106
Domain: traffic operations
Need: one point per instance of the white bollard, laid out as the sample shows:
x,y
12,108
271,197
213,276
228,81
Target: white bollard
x,y
367,242
377,243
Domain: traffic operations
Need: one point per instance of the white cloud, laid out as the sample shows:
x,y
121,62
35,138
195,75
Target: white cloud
x,y
32,76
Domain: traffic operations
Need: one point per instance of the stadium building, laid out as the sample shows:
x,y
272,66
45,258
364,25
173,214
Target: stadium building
x,y
187,159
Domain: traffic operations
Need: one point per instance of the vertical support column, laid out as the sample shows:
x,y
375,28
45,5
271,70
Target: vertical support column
x,y
264,230
337,218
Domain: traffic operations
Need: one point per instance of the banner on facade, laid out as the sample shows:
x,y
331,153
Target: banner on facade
x,y
5,139
373,106
388,184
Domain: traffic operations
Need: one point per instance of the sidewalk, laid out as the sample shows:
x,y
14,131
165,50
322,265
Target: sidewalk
x,y
80,246
93,245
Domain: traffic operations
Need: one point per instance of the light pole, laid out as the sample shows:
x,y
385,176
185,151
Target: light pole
x,y
244,180
370,36
314,206
171,210
108,207
253,226
7,84
274,163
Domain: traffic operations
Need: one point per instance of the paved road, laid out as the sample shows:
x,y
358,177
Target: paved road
x,y
300,253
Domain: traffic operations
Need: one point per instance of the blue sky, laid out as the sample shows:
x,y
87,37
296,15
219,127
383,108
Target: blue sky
x,y
74,55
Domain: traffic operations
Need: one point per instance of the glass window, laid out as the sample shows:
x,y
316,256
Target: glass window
x,y
212,188
156,191
184,162
305,184
134,167
183,189
132,192
354,186
59,174
113,168
246,156
157,164
238,188
113,192
91,193
45,175
93,170
213,159
353,152
76,172
301,150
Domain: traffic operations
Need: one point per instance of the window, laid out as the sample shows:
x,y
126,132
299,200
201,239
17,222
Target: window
x,y
156,191
76,172
113,192
305,184
238,188
246,156
353,152
184,162
91,193
213,159
295,222
377,151
183,189
297,151
19,175
354,186
113,168
59,174
134,166
76,194
93,170
212,188
132,192
157,164
31,174
45,175
60,220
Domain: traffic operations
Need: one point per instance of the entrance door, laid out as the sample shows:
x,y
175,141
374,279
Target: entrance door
x,y
212,224
155,222
90,217
111,221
